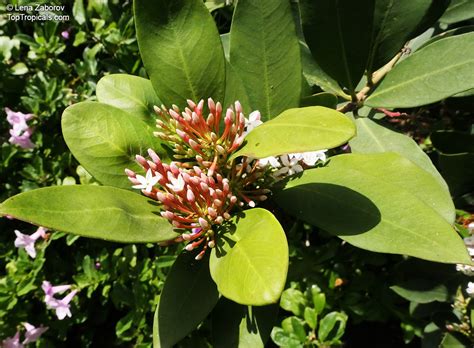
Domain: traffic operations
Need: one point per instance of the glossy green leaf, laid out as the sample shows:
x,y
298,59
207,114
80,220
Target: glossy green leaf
x,y
338,34
92,211
285,339
250,262
181,50
383,203
325,99
373,138
395,22
234,325
298,130
315,76
414,82
132,94
311,317
332,326
293,300
188,296
453,340
105,140
458,10
264,52
319,299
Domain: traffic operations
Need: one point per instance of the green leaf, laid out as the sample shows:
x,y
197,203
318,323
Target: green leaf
x,y
383,203
453,340
298,130
373,138
422,290
78,12
338,34
319,299
311,317
235,90
332,326
265,53
458,10
285,339
105,140
188,296
325,99
132,94
250,262
181,50
234,325
100,212
293,300
395,22
297,326
414,82
315,76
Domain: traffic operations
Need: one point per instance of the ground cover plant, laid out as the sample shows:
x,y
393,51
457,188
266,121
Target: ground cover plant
x,y
247,165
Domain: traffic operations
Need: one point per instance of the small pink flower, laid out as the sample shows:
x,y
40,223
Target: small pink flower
x,y
18,119
33,333
62,306
65,34
12,342
27,242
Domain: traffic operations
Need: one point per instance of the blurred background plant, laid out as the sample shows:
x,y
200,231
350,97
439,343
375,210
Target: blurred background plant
x,y
336,293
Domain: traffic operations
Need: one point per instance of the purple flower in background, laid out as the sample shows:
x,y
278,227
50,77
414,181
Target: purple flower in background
x,y
20,133
61,306
33,333
65,34
27,242
12,342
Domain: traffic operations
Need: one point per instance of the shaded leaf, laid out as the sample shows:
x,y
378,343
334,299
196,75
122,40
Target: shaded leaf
x,y
395,22
234,325
382,203
250,262
338,34
100,212
422,290
285,339
264,52
325,99
188,296
181,50
298,130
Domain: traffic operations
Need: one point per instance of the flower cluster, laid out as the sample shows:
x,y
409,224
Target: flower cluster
x,y
61,306
20,132
467,269
201,188
31,335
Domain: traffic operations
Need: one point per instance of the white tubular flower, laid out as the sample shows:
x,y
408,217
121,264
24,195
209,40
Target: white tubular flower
x,y
290,166
147,182
253,121
177,184
470,289
272,161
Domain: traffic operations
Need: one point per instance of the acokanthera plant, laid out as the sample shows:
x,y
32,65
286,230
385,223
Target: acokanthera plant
x,y
226,131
